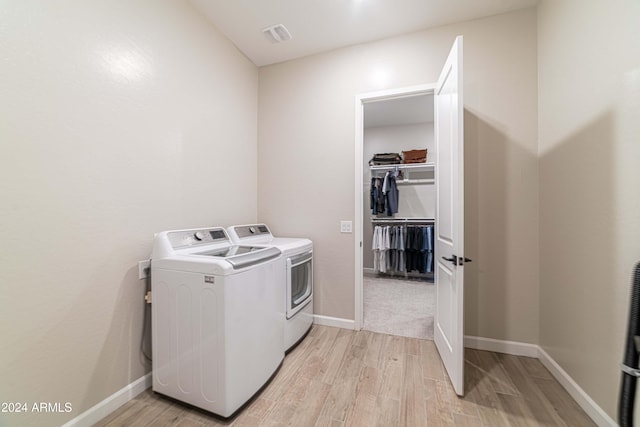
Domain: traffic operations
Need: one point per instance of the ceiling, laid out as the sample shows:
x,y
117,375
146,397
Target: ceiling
x,y
404,110
323,25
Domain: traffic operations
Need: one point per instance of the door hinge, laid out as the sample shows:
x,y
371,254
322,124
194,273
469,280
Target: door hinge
x,y
147,297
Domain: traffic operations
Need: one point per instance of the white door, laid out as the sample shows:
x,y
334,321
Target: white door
x,y
448,121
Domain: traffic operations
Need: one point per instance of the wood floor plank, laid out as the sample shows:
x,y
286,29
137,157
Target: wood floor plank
x,y
373,356
127,414
186,422
387,412
311,406
336,354
480,391
432,367
325,421
532,399
413,410
259,408
461,420
369,381
339,400
338,378
535,368
363,411
351,363
171,415
151,412
391,386
412,346
564,405
246,421
517,412
490,364
438,411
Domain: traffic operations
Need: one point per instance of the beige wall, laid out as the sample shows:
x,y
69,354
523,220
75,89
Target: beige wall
x,y
589,105
118,119
306,160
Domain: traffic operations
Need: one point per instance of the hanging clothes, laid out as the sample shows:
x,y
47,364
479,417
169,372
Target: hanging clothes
x,y
403,249
377,198
397,249
390,191
380,245
419,249
427,248
384,194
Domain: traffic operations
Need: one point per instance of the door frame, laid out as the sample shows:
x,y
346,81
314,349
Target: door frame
x,y
360,100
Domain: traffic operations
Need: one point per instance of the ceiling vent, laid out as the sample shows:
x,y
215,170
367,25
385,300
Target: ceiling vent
x,y
277,33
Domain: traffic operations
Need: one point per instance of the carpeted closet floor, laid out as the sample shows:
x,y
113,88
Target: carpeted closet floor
x,y
399,307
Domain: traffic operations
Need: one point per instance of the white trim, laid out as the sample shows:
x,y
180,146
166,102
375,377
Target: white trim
x,y
111,403
593,410
500,346
358,295
335,322
360,100
396,92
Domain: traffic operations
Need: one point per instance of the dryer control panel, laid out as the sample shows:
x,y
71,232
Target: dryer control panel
x,y
251,230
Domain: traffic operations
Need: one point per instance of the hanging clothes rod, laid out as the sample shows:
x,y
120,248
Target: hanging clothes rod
x,y
404,166
404,220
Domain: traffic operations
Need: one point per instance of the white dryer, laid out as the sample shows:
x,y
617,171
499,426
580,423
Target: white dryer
x,y
217,318
297,263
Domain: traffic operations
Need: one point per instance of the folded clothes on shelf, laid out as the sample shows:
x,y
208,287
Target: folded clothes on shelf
x,y
385,159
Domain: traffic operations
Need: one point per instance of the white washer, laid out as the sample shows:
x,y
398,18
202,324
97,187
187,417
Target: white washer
x,y
298,266
217,318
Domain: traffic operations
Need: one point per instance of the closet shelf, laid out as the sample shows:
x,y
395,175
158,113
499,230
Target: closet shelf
x,y
417,167
415,220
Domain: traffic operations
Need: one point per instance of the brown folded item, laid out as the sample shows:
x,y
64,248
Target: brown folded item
x,y
414,156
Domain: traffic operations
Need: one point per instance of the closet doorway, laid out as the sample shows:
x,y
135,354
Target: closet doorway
x,y
398,222
448,174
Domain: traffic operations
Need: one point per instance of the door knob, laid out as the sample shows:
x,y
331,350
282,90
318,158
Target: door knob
x,y
453,259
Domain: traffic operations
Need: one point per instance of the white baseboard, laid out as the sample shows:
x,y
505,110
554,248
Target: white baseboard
x,y
593,410
111,403
335,322
499,346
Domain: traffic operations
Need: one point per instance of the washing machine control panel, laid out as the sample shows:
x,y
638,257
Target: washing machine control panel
x,y
191,238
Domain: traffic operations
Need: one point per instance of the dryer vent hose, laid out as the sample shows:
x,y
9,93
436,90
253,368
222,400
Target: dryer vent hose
x,y
630,362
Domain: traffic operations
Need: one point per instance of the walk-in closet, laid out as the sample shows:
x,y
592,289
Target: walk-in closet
x,y
399,200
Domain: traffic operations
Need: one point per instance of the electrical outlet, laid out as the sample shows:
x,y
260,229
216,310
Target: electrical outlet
x,y
143,269
346,226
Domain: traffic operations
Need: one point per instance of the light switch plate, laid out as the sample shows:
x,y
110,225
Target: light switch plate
x,y
346,226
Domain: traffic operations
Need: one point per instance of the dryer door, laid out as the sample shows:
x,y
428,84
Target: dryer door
x,y
299,282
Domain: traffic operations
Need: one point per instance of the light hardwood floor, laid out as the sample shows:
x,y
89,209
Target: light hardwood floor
x,y
337,377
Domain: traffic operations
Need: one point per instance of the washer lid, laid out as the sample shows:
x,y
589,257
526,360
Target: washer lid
x,y
242,256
